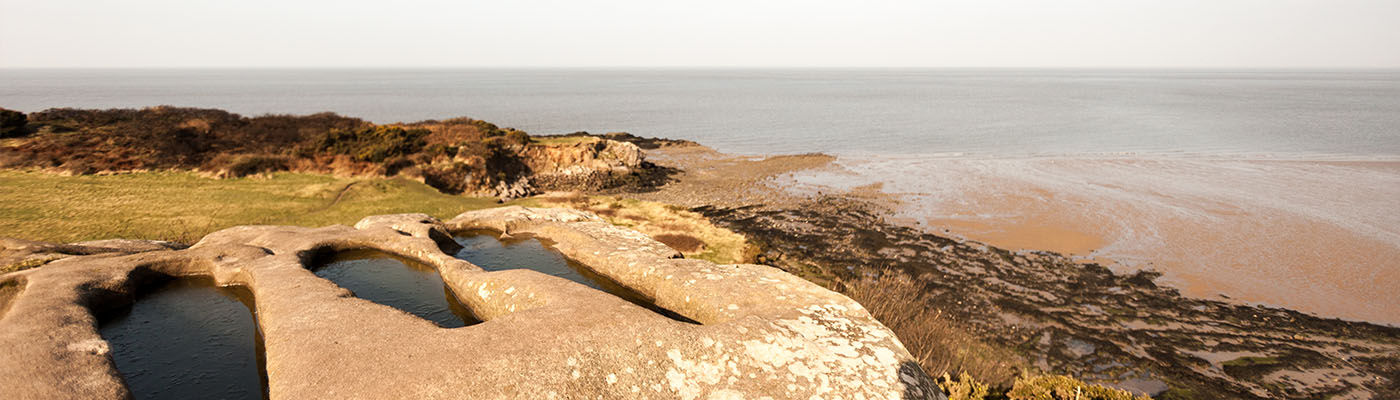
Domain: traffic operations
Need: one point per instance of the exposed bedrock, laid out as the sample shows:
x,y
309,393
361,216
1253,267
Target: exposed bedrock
x,y
754,331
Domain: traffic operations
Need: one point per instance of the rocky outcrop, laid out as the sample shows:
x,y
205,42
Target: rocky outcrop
x,y
589,164
748,331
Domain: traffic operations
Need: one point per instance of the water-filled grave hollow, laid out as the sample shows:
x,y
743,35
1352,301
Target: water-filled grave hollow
x,y
397,282
186,338
484,249
418,289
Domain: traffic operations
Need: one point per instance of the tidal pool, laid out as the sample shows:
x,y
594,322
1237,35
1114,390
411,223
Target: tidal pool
x,y
403,284
489,253
188,339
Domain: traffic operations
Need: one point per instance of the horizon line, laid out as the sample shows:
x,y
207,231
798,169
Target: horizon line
x,y
702,67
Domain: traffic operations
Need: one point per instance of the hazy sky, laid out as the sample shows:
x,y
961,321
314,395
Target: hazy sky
x,y
729,33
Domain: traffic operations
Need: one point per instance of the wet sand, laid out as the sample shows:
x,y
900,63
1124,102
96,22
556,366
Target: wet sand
x,y
1321,237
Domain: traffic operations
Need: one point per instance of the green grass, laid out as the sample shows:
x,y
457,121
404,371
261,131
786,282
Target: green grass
x,y
183,206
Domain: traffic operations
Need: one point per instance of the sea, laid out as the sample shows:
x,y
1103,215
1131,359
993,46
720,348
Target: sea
x,y
1274,187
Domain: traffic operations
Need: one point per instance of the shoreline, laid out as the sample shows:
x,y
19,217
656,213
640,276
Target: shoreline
x,y
1294,234
1064,314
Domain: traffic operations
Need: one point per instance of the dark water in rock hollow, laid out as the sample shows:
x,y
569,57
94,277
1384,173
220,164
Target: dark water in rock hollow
x,y
189,340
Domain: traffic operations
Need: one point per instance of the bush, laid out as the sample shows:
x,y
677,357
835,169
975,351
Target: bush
x,y
12,123
965,388
518,137
1060,387
1043,387
373,144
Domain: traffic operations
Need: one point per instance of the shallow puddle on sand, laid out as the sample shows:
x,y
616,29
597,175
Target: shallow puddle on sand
x,y
189,339
396,282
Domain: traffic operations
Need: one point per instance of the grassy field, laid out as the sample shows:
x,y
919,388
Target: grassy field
x,y
183,207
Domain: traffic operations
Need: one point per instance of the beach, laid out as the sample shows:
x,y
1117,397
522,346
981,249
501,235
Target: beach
x,y
1074,308
1315,236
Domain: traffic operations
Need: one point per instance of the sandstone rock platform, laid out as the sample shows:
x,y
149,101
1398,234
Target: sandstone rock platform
x,y
749,331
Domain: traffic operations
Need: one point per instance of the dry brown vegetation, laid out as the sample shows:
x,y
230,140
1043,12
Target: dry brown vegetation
x,y
941,347
454,155
945,350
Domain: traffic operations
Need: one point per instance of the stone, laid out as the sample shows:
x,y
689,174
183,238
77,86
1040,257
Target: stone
x,y
543,336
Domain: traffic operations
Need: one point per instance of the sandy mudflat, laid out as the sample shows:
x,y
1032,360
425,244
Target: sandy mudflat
x,y
828,220
1320,237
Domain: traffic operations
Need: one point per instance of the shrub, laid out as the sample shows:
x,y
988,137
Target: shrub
x,y
1060,387
392,166
518,137
373,144
965,388
12,123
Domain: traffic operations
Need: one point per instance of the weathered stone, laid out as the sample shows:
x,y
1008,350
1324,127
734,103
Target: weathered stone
x,y
761,333
14,251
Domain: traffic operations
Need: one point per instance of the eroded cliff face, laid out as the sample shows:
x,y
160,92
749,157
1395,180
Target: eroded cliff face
x,y
587,164
746,331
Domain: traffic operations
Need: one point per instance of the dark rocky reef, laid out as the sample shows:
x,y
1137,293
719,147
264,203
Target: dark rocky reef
x,y
1082,319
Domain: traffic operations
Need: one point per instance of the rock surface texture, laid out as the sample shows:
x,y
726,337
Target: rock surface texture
x,y
753,331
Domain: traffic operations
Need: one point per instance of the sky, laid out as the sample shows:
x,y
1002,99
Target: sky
x,y
711,33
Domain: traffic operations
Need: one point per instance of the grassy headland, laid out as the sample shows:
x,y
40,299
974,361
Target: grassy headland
x,y
182,206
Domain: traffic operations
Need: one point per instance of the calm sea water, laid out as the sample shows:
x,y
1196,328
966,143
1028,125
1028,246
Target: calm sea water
x,y
994,112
